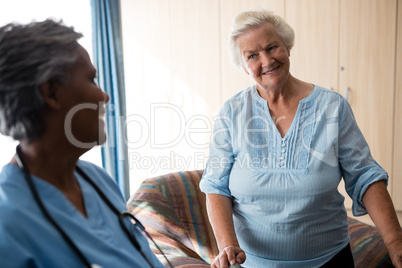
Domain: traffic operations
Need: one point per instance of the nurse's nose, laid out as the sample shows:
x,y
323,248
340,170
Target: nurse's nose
x,y
106,97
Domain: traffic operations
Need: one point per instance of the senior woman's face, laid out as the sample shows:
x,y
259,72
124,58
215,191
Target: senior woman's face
x,y
85,103
265,56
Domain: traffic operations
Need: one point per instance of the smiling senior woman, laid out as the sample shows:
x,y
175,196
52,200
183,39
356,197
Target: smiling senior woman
x,y
278,152
56,210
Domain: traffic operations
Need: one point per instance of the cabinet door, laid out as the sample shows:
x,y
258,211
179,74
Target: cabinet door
x,y
233,79
314,57
367,55
397,174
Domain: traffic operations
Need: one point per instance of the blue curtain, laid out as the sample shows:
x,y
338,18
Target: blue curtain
x,y
108,60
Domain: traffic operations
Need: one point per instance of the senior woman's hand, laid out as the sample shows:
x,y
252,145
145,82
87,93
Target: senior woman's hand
x,y
395,253
379,205
229,256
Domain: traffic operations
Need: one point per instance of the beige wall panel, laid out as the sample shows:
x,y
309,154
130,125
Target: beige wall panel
x,y
314,57
146,47
233,79
196,72
147,69
367,53
172,64
397,174
195,52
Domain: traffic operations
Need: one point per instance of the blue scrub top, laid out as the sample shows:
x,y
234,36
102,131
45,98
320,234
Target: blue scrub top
x,y
27,239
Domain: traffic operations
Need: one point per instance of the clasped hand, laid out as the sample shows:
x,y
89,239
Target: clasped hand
x,y
230,255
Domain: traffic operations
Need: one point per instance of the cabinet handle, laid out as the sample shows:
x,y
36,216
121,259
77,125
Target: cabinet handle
x,y
347,93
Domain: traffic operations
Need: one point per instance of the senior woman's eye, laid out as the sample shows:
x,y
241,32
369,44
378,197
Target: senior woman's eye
x,y
271,48
252,56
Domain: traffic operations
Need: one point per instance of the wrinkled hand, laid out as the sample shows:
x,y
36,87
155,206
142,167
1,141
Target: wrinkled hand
x,y
229,256
395,253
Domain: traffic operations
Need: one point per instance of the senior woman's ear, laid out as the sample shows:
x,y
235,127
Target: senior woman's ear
x,y
245,69
50,92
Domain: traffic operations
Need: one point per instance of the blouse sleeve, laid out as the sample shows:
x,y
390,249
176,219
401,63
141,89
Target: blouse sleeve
x,y
359,169
215,179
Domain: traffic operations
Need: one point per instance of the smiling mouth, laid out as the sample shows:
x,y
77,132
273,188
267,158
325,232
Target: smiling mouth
x,y
271,71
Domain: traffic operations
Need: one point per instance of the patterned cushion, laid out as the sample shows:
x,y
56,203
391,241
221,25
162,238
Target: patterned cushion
x,y
172,208
367,245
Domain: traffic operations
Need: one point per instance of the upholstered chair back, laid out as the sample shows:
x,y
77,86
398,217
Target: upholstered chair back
x,y
172,208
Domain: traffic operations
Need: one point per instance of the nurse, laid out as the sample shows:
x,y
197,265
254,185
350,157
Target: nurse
x,y
52,213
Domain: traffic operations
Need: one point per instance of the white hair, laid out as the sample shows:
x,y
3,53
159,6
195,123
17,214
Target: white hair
x,y
252,19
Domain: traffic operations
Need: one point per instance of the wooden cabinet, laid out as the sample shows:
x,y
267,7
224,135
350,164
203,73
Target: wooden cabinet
x,y
367,57
315,55
367,60
349,46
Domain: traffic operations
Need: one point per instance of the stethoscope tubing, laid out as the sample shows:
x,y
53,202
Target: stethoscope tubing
x,y
119,214
38,200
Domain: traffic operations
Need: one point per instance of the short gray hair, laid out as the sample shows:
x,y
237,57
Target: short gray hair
x,y
252,19
30,55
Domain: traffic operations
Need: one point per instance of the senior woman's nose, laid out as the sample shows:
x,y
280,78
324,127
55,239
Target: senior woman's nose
x,y
265,59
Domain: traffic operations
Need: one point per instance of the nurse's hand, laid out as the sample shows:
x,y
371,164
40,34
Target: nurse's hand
x,y
229,256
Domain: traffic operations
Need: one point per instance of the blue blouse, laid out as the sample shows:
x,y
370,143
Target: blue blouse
x,y
287,210
27,239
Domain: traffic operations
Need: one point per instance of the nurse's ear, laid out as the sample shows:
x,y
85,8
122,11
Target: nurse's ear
x,y
50,92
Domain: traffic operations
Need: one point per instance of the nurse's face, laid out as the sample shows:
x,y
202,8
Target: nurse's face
x,y
85,103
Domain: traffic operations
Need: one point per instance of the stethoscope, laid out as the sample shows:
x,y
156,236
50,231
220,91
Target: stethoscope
x,y
121,215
